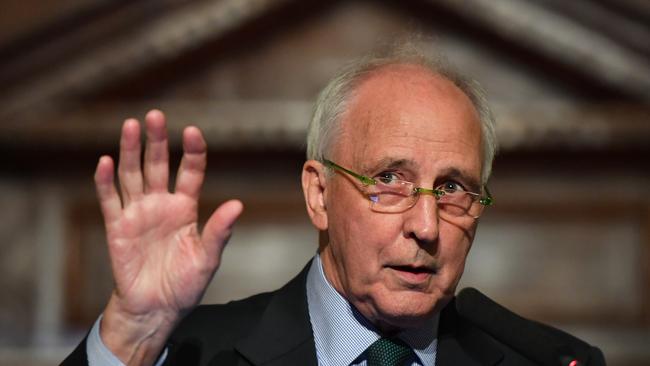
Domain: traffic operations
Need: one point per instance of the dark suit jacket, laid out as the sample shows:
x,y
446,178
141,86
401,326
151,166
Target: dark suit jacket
x,y
274,329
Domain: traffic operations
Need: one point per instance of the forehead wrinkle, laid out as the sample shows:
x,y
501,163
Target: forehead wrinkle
x,y
401,128
400,152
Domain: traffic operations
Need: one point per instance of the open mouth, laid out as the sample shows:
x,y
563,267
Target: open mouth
x,y
414,270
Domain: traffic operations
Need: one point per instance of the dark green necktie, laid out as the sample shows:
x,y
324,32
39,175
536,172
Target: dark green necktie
x,y
388,352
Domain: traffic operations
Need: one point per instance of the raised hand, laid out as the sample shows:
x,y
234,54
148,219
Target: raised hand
x,y
161,263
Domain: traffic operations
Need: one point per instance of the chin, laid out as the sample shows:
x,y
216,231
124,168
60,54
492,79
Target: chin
x,y
409,311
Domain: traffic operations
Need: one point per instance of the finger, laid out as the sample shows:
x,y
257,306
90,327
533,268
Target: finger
x,y
192,168
128,170
156,154
219,227
109,200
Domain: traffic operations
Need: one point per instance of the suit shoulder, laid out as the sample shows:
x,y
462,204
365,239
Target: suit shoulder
x,y
223,318
538,342
211,330
571,345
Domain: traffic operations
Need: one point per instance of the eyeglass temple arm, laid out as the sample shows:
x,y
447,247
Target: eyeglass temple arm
x,y
365,180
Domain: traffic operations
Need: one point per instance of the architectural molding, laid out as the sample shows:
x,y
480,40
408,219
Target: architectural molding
x,y
558,37
282,124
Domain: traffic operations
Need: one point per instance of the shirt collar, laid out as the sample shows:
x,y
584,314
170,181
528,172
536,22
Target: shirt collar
x,y
342,334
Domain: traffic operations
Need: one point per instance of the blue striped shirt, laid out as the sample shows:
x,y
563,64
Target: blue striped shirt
x,y
342,334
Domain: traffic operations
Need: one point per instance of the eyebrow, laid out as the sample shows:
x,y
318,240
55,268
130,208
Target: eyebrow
x,y
392,163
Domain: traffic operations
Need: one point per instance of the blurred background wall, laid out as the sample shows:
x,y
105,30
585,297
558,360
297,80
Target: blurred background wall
x,y
568,241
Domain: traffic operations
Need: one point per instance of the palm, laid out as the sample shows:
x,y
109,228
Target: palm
x,y
154,254
160,261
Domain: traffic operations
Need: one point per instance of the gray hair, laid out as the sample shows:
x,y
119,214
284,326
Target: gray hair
x,y
333,99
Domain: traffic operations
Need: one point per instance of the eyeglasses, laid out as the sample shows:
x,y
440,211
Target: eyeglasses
x,y
390,195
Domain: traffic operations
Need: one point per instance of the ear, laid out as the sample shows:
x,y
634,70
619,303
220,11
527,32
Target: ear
x,y
314,183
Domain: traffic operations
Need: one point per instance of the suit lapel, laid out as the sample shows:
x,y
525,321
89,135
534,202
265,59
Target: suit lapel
x,y
284,335
461,344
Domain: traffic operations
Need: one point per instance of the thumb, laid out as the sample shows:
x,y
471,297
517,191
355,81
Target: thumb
x,y
218,228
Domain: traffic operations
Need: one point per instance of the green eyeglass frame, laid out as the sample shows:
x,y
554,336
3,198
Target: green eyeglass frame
x,y
486,200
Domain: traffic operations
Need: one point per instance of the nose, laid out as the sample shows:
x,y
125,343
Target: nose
x,y
421,221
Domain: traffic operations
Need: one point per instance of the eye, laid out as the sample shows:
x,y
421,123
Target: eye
x,y
451,186
387,177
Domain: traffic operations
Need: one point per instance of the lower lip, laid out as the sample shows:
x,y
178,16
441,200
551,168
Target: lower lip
x,y
413,277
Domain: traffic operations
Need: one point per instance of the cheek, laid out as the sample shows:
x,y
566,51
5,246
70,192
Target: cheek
x,y
360,239
454,248
455,242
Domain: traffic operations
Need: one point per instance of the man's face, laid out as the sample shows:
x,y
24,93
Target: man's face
x,y
399,269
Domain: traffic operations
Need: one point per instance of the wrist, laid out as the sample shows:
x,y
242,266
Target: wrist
x,y
136,339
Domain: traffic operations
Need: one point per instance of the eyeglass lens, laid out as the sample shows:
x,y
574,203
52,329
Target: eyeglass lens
x,y
396,197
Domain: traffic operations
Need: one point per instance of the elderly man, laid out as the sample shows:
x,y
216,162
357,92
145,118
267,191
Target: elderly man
x,y
399,152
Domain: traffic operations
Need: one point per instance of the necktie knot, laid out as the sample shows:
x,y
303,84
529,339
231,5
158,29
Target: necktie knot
x,y
388,352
